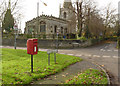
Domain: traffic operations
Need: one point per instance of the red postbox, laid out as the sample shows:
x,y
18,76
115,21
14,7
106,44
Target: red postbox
x,y
32,46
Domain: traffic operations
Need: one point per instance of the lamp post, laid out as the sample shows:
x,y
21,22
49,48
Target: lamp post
x,y
57,44
38,14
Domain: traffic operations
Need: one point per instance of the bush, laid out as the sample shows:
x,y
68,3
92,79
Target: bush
x,y
101,38
21,35
44,36
59,37
112,38
29,36
82,38
53,36
39,36
71,36
94,41
118,42
8,35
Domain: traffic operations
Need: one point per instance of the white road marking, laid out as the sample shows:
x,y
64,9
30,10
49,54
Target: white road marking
x,y
106,56
70,54
78,55
62,53
115,56
88,55
109,50
102,50
96,56
115,50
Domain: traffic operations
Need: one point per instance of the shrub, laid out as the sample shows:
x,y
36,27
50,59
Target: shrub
x,y
118,42
71,36
53,36
101,38
44,36
82,38
29,36
59,37
94,41
39,36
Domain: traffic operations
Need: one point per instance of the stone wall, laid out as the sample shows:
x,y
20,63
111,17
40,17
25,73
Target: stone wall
x,y
44,43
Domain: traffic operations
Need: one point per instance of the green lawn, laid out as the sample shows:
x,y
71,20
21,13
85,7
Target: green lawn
x,y
90,76
16,66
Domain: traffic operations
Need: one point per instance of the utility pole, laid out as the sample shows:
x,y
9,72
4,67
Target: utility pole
x,y
38,16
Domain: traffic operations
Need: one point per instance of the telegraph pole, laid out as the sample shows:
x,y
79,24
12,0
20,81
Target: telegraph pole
x,y
38,15
37,18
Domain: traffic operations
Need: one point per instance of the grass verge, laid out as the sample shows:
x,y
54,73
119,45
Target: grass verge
x,y
90,76
16,65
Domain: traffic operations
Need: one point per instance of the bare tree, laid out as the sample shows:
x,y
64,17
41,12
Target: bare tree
x,y
79,12
83,9
15,7
109,17
2,10
96,25
89,18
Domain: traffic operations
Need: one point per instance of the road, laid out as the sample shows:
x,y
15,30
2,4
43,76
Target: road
x,y
105,55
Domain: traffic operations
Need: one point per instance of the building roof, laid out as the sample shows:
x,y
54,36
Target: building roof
x,y
48,17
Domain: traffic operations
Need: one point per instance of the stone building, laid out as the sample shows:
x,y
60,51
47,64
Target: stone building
x,y
65,24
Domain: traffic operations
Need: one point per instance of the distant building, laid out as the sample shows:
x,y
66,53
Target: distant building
x,y
44,24
19,31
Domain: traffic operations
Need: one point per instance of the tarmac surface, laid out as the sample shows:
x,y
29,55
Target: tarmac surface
x,y
105,55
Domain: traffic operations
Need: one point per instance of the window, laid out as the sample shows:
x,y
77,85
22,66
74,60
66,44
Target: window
x,y
55,28
65,14
65,30
42,28
61,29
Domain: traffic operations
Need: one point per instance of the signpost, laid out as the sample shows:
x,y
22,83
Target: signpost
x,y
57,44
15,29
49,52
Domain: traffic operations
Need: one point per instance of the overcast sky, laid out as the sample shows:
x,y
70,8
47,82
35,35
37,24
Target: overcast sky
x,y
30,8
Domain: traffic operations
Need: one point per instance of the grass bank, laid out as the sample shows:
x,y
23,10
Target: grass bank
x,y
16,66
89,77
